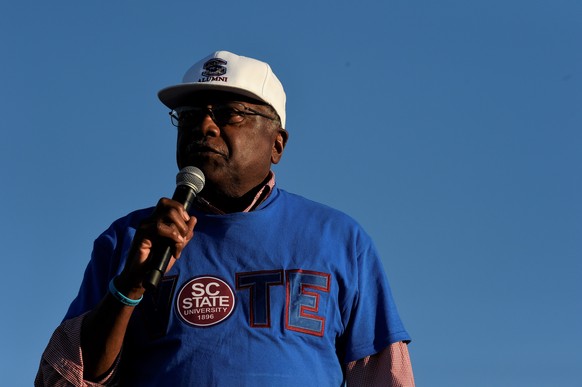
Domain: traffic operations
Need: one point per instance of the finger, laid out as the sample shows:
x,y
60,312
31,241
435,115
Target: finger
x,y
172,213
165,203
180,246
171,231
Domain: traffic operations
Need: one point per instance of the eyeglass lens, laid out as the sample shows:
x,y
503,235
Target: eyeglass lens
x,y
221,114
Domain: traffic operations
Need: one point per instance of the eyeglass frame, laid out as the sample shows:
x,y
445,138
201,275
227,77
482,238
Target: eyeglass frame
x,y
246,111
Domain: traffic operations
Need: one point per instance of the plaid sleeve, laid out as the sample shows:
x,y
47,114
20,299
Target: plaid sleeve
x,y
62,361
390,367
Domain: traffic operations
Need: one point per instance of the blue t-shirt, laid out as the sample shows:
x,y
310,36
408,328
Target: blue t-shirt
x,y
281,296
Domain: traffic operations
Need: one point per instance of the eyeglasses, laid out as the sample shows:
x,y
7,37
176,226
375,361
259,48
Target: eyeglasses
x,y
233,113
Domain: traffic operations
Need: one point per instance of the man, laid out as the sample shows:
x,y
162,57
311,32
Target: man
x,y
265,288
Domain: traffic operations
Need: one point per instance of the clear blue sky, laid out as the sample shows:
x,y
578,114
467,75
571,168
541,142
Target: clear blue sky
x,y
451,130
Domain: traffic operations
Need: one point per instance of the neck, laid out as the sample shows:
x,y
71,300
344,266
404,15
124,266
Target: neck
x,y
229,203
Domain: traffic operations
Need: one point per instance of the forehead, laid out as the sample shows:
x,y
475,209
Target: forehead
x,y
213,97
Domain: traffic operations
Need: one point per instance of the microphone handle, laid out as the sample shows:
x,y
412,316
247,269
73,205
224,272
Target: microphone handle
x,y
161,252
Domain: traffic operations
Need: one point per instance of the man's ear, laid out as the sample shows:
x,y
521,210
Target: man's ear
x,y
279,145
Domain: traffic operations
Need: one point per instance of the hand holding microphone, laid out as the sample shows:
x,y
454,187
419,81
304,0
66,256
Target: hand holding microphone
x,y
189,182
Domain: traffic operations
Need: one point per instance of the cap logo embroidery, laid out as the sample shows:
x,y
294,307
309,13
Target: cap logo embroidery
x,y
213,70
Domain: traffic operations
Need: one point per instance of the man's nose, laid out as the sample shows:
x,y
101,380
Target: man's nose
x,y
208,127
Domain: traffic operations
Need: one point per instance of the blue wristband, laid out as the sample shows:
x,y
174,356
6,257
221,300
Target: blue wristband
x,y
120,297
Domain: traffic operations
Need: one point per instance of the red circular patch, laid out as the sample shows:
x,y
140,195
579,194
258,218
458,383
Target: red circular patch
x,y
205,301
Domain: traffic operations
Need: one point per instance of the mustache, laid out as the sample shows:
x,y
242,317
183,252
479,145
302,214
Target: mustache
x,y
202,145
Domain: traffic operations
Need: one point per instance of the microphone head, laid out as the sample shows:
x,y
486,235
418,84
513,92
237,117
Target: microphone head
x,y
191,177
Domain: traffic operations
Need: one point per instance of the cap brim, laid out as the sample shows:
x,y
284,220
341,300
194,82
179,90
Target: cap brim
x,y
175,96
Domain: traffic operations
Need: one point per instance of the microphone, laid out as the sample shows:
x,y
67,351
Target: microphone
x,y
189,181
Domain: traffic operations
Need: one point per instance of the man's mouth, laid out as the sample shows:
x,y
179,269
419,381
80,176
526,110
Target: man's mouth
x,y
203,149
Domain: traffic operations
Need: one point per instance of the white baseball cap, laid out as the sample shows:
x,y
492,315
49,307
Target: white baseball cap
x,y
225,71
